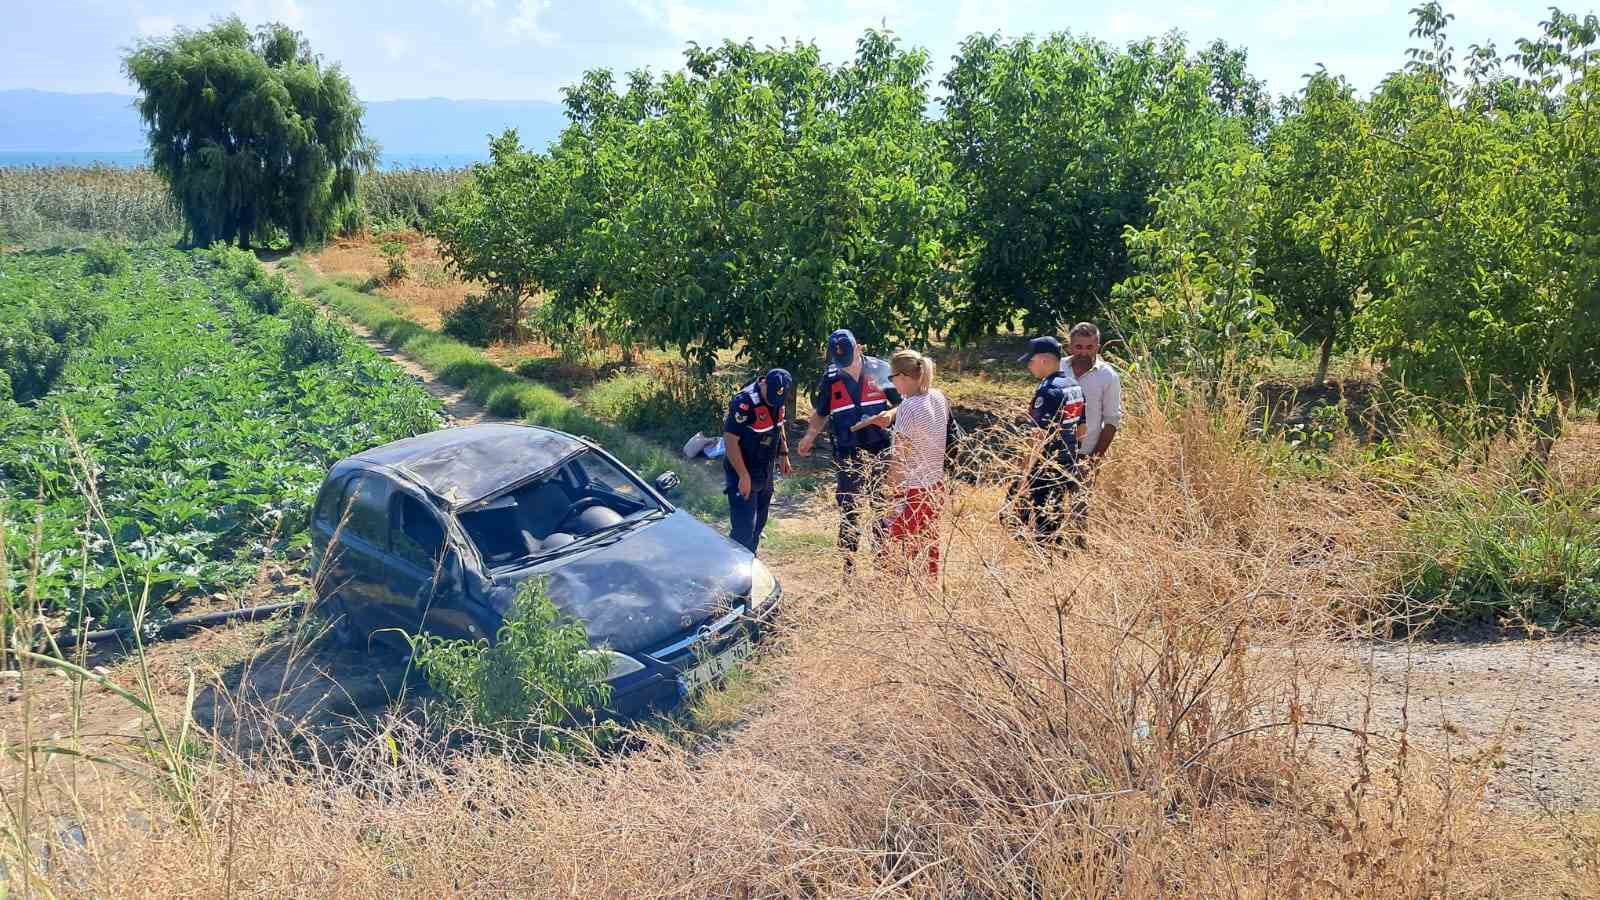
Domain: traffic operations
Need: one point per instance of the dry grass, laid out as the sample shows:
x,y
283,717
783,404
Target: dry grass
x,y
427,293
1142,720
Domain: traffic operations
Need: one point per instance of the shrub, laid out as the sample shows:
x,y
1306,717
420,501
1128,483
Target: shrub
x,y
394,253
310,339
480,319
535,677
265,294
666,399
104,257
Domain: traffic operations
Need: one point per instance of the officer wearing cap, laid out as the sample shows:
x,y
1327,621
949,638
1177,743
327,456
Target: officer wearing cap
x,y
753,435
850,394
1057,417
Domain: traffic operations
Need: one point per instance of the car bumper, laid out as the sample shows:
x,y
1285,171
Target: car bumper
x,y
659,688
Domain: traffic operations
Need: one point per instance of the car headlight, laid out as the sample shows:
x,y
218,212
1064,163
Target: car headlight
x,y
763,586
621,664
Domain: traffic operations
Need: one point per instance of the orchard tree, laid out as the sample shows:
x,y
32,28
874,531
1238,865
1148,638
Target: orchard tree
x,y
774,198
1060,145
490,229
1309,264
1475,201
250,131
1192,300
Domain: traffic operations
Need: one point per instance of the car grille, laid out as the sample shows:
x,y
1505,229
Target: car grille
x,y
704,640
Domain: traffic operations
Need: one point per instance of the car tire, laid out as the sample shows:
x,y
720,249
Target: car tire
x,y
340,626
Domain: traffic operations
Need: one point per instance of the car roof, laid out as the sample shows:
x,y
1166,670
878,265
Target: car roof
x,y
470,462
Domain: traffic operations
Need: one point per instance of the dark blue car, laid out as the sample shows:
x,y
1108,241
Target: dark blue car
x,y
435,533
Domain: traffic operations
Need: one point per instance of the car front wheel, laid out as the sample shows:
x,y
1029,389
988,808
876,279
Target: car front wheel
x,y
340,625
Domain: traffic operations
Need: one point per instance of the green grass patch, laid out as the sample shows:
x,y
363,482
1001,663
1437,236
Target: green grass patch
x,y
663,402
507,394
1503,554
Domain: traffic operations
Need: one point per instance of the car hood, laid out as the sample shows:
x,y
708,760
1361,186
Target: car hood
x,y
636,593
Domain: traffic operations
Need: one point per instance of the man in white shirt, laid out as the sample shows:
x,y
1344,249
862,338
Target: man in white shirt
x,y
1102,390
1102,412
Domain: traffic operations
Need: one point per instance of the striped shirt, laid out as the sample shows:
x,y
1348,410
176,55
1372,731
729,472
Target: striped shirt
x,y
919,432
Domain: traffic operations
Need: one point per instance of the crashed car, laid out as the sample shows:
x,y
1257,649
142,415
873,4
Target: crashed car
x,y
435,533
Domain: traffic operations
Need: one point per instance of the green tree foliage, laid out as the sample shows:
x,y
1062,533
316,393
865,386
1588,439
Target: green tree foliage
x,y
1193,300
1060,145
490,230
1475,203
1309,264
250,132
756,200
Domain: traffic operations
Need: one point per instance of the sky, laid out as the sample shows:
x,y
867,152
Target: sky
x,y
529,49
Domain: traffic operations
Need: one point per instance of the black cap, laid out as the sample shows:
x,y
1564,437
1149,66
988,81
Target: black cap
x,y
842,348
1039,345
778,382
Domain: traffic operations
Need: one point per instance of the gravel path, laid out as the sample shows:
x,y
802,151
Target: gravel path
x,y
1537,700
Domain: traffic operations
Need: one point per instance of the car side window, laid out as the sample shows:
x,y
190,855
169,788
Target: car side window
x,y
416,534
365,510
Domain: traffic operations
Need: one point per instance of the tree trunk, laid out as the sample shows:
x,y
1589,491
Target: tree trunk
x,y
1327,354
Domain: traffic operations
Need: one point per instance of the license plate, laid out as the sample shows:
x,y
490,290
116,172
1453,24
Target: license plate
x,y
712,668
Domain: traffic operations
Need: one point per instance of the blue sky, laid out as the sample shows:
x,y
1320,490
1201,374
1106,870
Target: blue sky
x,y
528,49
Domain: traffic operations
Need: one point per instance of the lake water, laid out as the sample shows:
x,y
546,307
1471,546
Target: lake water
x,y
131,158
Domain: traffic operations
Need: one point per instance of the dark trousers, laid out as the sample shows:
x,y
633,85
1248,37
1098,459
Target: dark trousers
x,y
858,475
1052,503
748,518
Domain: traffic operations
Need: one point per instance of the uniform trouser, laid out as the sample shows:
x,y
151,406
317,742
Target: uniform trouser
x,y
858,475
1053,501
748,518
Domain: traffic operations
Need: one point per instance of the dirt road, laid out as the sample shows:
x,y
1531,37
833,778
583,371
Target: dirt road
x,y
1536,701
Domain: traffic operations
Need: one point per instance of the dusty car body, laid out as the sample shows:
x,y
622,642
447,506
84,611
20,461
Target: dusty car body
x,y
435,533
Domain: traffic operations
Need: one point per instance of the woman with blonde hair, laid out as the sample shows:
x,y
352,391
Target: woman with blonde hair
x,y
916,464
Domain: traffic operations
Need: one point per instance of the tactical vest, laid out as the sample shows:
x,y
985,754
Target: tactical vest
x,y
847,407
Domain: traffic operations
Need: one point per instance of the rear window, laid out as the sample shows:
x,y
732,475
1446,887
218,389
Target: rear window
x,y
327,509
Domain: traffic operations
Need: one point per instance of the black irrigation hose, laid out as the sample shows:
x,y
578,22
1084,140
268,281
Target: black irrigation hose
x,y
185,625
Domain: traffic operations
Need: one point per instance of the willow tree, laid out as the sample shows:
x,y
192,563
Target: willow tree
x,y
250,132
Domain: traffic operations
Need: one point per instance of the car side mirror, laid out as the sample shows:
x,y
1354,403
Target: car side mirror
x,y
667,482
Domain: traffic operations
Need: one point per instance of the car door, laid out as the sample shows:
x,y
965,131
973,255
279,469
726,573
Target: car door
x,y
354,565
420,570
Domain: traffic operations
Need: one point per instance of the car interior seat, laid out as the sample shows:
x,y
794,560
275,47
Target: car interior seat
x,y
542,507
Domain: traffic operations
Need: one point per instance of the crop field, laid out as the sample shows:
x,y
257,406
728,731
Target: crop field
x,y
185,438
50,206
44,204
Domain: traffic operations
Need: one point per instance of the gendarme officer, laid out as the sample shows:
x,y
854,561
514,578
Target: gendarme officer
x,y
1050,474
753,435
848,394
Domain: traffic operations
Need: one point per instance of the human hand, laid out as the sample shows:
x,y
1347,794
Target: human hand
x,y
744,485
807,442
881,420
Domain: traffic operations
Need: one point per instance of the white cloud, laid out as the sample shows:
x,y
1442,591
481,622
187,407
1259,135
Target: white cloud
x,y
524,22
835,31
287,12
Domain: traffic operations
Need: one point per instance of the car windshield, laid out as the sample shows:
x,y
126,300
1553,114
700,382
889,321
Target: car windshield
x,y
582,498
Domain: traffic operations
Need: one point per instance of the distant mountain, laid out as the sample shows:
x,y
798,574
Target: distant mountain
x,y
43,121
